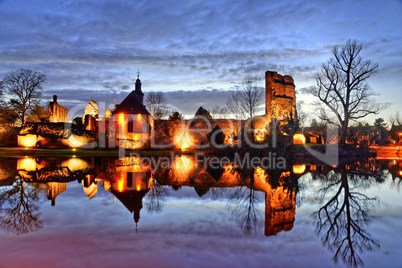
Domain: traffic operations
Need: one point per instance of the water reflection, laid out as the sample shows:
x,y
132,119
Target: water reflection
x,y
257,198
342,221
19,207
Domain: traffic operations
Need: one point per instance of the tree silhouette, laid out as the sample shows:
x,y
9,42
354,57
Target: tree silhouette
x,y
154,200
25,90
19,205
342,219
243,203
343,90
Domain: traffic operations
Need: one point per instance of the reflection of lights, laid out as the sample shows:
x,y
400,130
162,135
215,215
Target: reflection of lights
x,y
285,174
260,173
75,164
299,169
183,164
120,183
400,173
27,164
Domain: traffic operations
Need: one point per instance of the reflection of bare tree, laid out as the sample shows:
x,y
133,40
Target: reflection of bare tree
x,y
342,219
155,197
19,207
243,201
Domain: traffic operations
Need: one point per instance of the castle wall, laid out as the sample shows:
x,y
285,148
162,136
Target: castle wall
x,y
280,96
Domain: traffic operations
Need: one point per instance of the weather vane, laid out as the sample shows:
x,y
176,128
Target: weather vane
x,y
138,73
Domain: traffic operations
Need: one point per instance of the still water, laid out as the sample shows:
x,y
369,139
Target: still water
x,y
177,211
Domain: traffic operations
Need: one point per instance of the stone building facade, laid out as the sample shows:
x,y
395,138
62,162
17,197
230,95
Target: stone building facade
x,y
280,96
57,113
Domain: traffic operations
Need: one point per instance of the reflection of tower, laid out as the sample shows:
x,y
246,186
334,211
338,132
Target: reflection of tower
x,y
131,187
280,209
54,189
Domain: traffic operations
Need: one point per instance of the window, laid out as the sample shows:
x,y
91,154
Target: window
x,y
130,125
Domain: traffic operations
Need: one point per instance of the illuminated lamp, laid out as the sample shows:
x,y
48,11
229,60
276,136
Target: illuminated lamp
x,y
28,140
299,138
298,169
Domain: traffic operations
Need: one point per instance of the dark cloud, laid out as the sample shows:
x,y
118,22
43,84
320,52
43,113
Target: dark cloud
x,y
93,45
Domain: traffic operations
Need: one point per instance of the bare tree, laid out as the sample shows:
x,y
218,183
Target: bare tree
x,y
341,221
301,115
24,88
342,88
19,207
218,112
244,102
37,113
157,101
395,119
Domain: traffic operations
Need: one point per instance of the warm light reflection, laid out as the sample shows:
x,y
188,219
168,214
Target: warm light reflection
x,y
183,164
28,140
299,169
139,116
75,164
260,173
299,138
138,187
27,164
120,183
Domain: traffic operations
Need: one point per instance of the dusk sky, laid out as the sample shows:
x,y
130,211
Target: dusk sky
x,y
92,49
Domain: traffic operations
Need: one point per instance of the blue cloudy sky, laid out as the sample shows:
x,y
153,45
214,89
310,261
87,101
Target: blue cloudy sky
x,y
92,49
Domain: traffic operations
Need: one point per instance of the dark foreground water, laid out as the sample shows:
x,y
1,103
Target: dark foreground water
x,y
182,212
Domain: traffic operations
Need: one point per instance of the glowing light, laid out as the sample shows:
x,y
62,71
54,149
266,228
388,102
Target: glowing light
x,y
260,173
183,164
27,164
138,187
139,116
299,138
260,134
298,169
28,140
75,164
400,173
183,140
120,184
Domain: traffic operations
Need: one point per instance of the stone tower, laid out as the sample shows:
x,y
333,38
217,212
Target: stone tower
x,y
280,96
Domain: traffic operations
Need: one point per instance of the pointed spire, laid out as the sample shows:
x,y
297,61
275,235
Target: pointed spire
x,y
138,87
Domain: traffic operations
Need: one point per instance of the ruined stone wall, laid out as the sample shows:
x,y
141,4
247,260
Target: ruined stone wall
x,y
280,96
